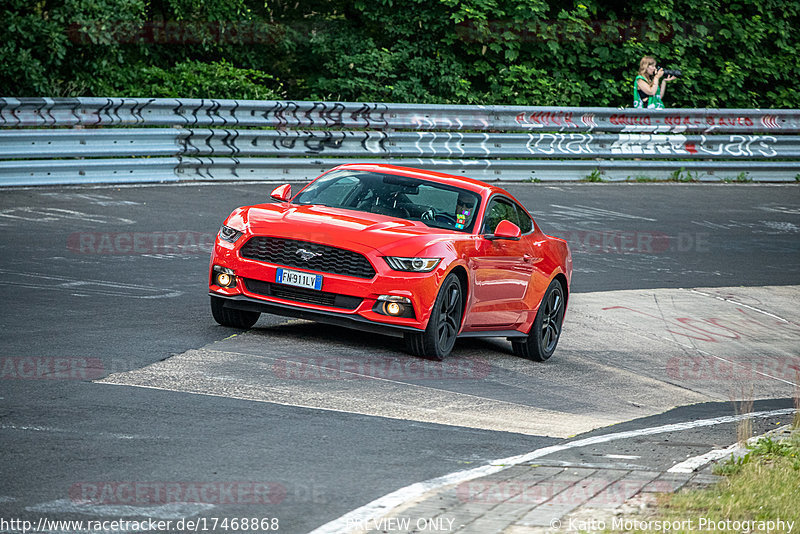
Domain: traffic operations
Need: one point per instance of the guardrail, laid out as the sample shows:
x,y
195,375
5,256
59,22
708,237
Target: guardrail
x,y
91,140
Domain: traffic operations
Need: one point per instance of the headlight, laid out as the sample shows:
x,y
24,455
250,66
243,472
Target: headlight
x,y
226,233
415,265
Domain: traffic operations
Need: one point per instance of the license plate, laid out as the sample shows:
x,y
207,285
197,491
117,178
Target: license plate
x,y
299,279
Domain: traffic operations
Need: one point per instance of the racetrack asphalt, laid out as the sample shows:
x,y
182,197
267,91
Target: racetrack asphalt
x,y
135,385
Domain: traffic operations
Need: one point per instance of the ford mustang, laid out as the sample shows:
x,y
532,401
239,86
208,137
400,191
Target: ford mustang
x,y
419,254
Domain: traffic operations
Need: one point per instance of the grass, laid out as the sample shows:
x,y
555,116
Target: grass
x,y
796,398
744,428
741,178
683,175
765,450
595,176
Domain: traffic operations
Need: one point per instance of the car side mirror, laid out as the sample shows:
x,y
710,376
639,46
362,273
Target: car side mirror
x,y
282,192
506,230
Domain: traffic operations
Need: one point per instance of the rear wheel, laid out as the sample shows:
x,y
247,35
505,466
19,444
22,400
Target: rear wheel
x,y
231,317
439,337
546,329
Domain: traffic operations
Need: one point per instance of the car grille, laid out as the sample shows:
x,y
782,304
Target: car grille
x,y
287,252
299,294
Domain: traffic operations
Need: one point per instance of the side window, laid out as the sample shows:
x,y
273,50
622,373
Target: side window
x,y
499,209
525,223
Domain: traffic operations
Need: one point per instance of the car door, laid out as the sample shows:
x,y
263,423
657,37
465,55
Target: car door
x,y
502,269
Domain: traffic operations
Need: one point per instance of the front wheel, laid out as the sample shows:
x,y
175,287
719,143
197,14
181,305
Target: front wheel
x,y
439,337
231,317
546,329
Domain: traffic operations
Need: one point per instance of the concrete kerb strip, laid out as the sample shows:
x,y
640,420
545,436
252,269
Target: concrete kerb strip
x,y
736,450
400,499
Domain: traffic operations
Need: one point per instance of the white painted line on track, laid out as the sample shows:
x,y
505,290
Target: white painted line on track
x,y
384,504
732,301
113,435
621,456
95,287
738,364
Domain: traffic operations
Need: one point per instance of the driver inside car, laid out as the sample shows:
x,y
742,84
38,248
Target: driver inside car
x,y
465,206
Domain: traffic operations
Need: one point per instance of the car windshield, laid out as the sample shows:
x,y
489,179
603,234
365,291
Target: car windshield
x,y
436,205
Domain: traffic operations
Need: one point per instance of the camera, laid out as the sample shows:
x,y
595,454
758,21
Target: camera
x,y
670,72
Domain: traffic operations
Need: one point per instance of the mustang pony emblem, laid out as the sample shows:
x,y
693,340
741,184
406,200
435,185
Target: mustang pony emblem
x,y
307,254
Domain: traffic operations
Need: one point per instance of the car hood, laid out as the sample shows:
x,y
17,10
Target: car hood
x,y
340,227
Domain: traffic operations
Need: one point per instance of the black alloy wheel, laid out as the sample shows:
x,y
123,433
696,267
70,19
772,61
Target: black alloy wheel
x,y
546,329
439,337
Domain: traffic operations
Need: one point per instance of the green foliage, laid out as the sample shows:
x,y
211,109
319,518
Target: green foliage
x,y
515,52
196,79
764,450
60,48
683,175
594,176
742,177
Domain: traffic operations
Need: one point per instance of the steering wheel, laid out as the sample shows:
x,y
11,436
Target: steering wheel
x,y
432,214
428,215
445,218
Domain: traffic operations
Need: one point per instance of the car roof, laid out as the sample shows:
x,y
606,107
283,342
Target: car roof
x,y
434,176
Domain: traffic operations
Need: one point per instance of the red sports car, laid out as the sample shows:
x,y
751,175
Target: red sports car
x,y
425,255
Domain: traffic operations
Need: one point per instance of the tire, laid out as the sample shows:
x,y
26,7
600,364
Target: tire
x,y
546,329
231,317
439,337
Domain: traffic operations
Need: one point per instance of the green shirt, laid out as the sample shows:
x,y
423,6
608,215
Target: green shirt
x,y
649,101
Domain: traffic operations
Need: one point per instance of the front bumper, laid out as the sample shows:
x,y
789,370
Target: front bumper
x,y
348,320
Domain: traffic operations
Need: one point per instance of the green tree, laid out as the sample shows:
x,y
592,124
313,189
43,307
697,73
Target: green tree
x,y
521,52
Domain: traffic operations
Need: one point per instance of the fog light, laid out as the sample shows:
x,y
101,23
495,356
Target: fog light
x,y
224,277
393,308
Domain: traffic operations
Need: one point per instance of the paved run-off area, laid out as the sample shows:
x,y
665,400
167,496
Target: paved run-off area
x,y
623,355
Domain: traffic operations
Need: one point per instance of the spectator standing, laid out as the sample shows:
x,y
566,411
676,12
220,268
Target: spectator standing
x,y
650,85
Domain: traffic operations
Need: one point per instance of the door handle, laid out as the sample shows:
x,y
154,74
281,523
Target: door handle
x,y
527,258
